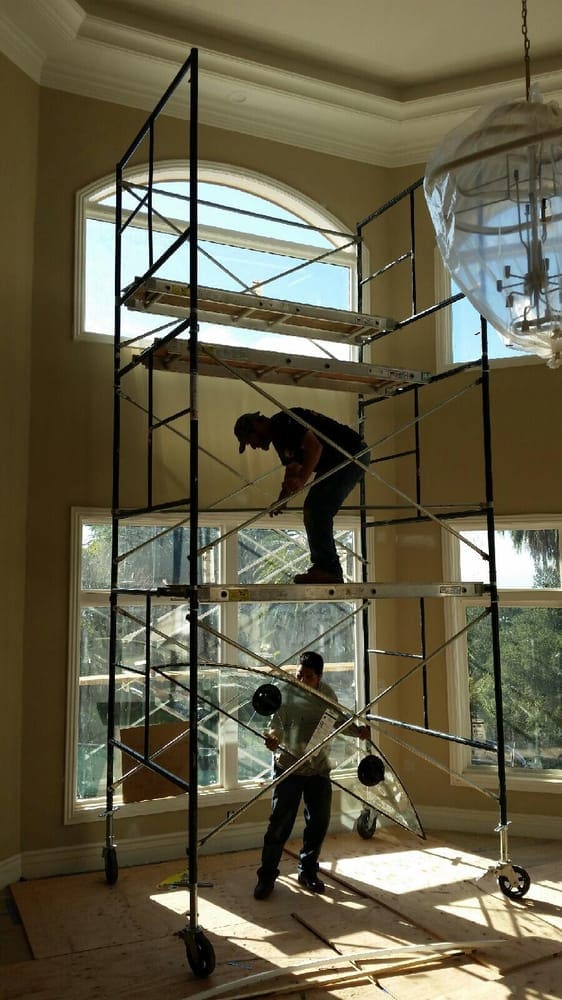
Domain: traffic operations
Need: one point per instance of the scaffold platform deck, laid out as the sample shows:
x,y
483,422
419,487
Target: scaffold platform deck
x,y
254,593
285,369
254,312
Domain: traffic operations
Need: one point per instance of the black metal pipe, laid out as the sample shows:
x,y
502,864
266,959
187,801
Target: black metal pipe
x,y
494,598
193,776
156,112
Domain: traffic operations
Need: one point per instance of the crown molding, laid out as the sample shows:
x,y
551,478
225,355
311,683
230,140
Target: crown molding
x,y
62,47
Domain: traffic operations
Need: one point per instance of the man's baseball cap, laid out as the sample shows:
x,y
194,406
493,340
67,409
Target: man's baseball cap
x,y
243,428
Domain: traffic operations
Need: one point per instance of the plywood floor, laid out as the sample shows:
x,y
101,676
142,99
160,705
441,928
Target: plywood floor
x,y
89,940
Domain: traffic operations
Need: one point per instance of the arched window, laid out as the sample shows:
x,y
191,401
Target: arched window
x,y
254,235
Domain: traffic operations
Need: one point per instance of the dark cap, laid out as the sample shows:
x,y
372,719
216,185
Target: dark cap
x,y
244,427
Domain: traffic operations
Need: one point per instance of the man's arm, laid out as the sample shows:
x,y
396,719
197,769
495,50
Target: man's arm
x,y
312,449
297,475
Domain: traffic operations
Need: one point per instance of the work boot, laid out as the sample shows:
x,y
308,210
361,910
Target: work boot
x,y
263,889
317,575
312,883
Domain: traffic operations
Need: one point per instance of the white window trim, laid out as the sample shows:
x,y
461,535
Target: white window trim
x,y
456,659
90,810
246,180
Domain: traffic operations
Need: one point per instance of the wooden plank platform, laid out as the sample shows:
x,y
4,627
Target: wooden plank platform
x,y
275,368
255,312
96,942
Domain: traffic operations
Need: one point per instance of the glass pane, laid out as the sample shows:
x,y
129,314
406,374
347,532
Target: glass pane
x,y
275,224
227,265
531,648
278,632
224,207
465,330
166,697
158,555
525,559
304,723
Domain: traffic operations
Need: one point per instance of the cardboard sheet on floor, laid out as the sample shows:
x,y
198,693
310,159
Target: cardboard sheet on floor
x,y
143,783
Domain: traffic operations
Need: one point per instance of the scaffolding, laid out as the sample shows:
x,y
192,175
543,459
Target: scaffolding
x,y
186,304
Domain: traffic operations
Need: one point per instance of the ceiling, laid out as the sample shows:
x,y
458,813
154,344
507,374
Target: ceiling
x,y
380,81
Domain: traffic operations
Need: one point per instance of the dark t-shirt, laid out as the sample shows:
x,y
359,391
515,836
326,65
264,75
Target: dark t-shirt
x,y
287,435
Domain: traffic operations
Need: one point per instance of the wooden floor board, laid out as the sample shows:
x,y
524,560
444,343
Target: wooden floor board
x,y
92,941
449,894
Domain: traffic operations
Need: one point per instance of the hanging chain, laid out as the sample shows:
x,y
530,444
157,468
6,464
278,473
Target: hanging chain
x,y
527,46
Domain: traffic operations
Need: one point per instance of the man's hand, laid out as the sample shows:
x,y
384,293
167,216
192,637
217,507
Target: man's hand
x,y
271,741
292,483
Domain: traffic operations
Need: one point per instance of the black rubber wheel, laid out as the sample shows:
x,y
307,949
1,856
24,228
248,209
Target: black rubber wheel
x,y
200,953
515,891
366,823
111,865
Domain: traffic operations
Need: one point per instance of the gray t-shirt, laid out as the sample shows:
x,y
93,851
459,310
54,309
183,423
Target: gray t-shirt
x,y
301,722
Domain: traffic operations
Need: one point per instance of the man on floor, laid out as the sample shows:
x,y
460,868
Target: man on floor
x,y
288,736
306,448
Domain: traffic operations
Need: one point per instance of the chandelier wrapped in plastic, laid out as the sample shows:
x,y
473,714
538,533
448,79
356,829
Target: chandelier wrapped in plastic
x,y
494,193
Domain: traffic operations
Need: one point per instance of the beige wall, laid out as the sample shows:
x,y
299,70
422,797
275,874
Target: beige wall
x,y
20,100
70,413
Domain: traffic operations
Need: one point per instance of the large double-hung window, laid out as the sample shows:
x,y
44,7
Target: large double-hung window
x,y
231,757
530,632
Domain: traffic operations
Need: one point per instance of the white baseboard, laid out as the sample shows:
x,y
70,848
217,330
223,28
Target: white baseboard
x,y
10,870
240,837
473,821
141,851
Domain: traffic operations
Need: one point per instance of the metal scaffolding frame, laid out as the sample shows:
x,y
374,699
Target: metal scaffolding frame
x,y
187,303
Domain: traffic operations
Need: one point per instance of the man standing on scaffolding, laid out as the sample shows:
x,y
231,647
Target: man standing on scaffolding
x,y
310,445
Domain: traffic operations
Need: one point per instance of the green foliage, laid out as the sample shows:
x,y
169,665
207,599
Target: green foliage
x,y
531,654
544,547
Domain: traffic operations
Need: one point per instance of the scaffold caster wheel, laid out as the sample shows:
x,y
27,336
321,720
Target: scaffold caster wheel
x,y
515,890
200,952
111,865
366,823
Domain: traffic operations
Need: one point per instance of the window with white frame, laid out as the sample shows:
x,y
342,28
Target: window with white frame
x,y
530,634
459,330
231,756
254,236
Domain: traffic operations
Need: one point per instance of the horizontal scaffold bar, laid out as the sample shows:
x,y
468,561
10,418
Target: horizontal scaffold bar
x,y
253,312
215,593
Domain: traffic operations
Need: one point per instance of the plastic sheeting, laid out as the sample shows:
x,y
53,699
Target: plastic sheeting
x,y
494,192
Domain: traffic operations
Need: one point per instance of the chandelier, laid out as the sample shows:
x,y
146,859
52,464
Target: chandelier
x,y
494,192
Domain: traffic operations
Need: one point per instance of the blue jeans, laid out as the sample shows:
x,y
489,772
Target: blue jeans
x,y
316,793
320,507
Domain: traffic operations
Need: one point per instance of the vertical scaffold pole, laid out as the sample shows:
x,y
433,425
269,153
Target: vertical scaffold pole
x,y
494,601
109,853
363,547
193,491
